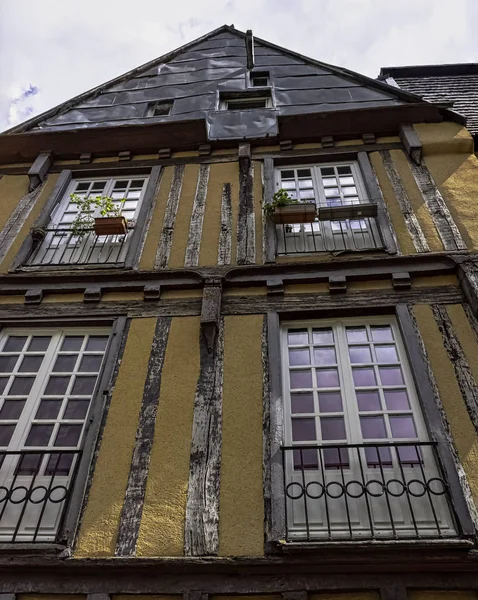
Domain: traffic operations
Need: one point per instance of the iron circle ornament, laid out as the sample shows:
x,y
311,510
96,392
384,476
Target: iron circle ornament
x,y
400,483
340,486
6,493
377,482
321,488
442,483
53,490
288,493
355,482
20,500
420,483
42,488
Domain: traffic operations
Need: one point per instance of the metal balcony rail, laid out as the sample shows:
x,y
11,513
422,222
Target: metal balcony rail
x,y
366,491
35,489
60,247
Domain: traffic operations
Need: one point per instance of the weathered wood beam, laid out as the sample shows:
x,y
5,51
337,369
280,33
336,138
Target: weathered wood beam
x,y
211,311
166,239
246,243
412,143
191,258
39,170
225,234
249,40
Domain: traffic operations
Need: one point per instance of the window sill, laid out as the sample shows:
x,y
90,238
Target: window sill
x,y
68,268
445,544
38,549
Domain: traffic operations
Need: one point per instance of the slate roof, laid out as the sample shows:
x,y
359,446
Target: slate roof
x,y
196,74
455,83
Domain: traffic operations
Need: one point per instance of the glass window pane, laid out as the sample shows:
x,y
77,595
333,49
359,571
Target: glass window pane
x,y
3,384
356,334
68,435
7,363
306,458
382,333
303,430
344,170
12,409
330,402
363,377
39,435
327,378
327,171
323,336
409,454
369,400
14,343
39,343
332,428
360,354
6,432
300,379
65,363
329,181
83,385
48,409
298,336
324,356
373,428
396,399
347,181
31,364
97,343
72,342
303,173
28,464
76,409
335,458
57,386
386,354
403,427
391,375
91,363
377,457
298,357
21,386
329,192
59,464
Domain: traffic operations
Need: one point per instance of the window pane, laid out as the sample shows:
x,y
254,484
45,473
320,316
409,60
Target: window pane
x,y
21,386
59,464
324,356
403,427
72,342
15,343
330,402
386,354
65,363
31,364
409,454
68,435
296,357
327,171
368,401
333,428
12,409
356,334
360,354
306,458
378,457
396,399
39,435
327,378
298,336
344,170
76,409
382,333
6,432
372,428
7,363
3,384
39,343
335,458
303,430
57,386
84,385
391,375
48,409
303,173
92,363
363,377
323,336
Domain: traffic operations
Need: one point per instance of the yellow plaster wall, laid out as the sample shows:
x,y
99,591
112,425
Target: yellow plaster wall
x,y
460,425
257,200
20,189
250,597
441,595
183,217
220,173
154,231
50,597
465,334
448,154
241,510
346,596
396,216
98,532
416,200
162,525
145,597
12,189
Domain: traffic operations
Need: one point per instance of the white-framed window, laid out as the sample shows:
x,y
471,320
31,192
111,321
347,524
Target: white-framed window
x,y
346,216
357,458
245,102
47,380
60,246
259,78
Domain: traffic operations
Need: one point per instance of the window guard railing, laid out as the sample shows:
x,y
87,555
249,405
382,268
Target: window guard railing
x,y
60,246
360,480
35,491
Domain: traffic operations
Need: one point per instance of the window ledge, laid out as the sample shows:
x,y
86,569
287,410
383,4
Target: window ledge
x,y
400,545
39,549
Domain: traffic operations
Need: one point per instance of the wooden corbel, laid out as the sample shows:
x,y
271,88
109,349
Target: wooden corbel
x,y
337,284
244,156
401,281
412,143
211,311
34,296
39,170
92,294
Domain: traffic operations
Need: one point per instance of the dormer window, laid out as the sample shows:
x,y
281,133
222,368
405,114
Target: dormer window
x,y
159,109
259,79
244,101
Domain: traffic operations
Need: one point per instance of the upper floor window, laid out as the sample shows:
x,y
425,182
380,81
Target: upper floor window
x,y
358,461
47,381
60,245
341,215
259,78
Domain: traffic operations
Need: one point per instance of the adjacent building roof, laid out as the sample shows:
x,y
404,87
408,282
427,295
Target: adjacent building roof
x,y
454,85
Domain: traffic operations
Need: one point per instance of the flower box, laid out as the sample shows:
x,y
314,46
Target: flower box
x,y
110,226
295,213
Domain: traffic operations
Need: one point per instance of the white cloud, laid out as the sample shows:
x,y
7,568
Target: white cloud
x,y
65,48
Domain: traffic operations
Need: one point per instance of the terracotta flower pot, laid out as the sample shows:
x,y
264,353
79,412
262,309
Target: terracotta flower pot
x,y
110,226
295,213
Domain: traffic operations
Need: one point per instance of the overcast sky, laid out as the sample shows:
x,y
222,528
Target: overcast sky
x,y
52,50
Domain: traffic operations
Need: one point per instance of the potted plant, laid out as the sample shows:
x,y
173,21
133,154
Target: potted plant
x,y
109,223
284,209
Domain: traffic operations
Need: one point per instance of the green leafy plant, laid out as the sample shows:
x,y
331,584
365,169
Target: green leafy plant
x,y
280,198
86,206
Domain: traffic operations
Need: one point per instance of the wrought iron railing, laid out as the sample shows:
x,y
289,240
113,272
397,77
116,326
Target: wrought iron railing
x,y
366,491
35,490
59,246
